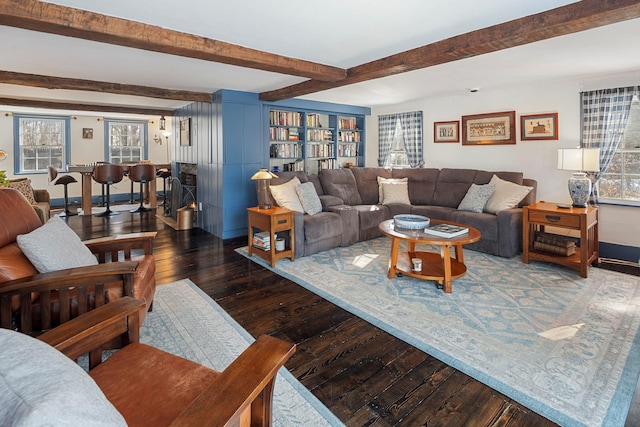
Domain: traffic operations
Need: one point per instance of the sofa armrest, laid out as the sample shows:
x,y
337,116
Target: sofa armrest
x,y
329,201
42,196
246,385
72,287
89,332
509,232
110,247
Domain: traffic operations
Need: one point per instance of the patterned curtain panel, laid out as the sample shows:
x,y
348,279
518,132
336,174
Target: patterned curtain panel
x,y
411,131
604,117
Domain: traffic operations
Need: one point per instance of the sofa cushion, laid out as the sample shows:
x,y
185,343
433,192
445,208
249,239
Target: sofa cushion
x,y
484,177
452,186
422,183
394,191
322,226
433,212
476,198
309,198
23,185
283,177
14,264
55,246
286,195
41,386
17,217
506,195
342,183
368,184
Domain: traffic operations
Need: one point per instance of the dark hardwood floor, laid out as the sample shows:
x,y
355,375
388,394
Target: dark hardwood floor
x,y
362,374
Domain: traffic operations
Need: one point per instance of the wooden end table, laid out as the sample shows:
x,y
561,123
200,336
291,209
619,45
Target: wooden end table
x,y
539,215
439,267
273,220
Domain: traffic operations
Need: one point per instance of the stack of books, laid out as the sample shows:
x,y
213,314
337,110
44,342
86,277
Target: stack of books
x,y
554,243
262,240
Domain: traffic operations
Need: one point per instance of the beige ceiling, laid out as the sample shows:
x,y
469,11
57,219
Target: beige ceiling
x,y
334,32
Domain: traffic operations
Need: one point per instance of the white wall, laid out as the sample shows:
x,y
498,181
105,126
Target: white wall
x,y
536,159
82,151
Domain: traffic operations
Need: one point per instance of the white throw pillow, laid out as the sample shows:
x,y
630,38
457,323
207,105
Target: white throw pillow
x,y
286,195
309,198
55,246
506,195
397,194
40,386
476,198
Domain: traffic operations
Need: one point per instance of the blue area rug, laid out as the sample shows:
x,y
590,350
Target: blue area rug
x,y
186,322
564,346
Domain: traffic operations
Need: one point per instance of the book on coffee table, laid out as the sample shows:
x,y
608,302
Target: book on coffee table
x,y
446,230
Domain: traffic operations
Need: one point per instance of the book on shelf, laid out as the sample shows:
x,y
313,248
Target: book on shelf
x,y
555,239
263,236
446,230
554,249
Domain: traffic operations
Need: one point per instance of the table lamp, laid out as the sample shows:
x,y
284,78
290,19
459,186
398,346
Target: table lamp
x,y
262,178
581,160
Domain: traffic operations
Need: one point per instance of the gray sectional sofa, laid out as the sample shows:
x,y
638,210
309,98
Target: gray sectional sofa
x,y
351,209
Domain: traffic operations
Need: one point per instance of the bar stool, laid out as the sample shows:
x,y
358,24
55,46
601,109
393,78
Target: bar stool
x,y
108,174
62,180
164,174
142,173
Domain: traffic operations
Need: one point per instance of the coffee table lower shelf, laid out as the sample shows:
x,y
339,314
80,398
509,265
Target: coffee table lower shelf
x,y
433,267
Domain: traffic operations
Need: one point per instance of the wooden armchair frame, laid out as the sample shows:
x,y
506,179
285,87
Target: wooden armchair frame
x,y
73,287
239,395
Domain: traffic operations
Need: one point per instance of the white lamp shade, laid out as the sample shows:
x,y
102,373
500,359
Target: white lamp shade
x,y
579,159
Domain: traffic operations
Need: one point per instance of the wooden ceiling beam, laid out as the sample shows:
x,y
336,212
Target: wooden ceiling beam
x,y
55,19
54,105
49,82
572,18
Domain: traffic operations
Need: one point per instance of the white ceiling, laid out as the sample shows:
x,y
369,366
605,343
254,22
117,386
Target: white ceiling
x,y
342,33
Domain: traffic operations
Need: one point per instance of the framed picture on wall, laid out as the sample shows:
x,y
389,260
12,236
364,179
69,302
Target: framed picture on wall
x,y
539,127
87,133
446,131
185,132
489,128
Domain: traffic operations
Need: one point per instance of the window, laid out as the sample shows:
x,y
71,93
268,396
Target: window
x,y
622,179
127,141
41,141
400,133
611,122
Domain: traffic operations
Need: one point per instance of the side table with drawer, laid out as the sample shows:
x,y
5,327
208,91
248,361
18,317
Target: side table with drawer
x,y
539,215
273,220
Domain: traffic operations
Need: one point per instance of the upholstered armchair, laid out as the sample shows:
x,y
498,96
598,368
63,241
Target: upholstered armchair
x,y
48,276
138,385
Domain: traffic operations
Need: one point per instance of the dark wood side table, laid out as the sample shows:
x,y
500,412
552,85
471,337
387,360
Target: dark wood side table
x,y
539,215
273,220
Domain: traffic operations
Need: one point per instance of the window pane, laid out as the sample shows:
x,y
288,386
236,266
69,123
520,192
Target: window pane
x,y
632,187
616,164
632,163
610,186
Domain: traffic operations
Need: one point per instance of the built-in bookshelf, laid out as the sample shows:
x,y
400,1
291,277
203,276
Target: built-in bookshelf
x,y
312,141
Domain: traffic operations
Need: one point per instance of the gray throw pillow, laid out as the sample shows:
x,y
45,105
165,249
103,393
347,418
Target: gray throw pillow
x,y
39,386
476,198
55,246
309,198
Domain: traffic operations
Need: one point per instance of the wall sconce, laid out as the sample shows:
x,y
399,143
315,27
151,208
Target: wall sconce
x,y
262,178
163,123
3,155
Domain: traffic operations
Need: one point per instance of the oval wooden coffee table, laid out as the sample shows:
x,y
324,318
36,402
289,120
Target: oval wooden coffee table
x,y
442,267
